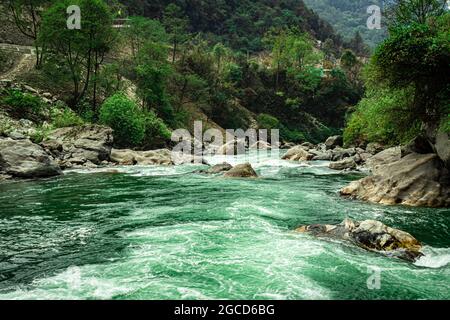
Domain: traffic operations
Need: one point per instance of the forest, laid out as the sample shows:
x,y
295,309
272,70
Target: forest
x,y
266,64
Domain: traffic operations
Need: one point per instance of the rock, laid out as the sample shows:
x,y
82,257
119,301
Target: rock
x,y
261,145
130,157
308,145
348,163
333,142
244,170
89,142
30,89
374,148
378,161
47,95
442,147
232,148
4,177
321,156
298,153
15,135
218,168
123,156
179,158
415,180
370,235
24,159
340,153
365,156
287,145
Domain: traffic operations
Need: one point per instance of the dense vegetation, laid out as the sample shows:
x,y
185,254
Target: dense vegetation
x,y
408,92
241,64
349,18
236,64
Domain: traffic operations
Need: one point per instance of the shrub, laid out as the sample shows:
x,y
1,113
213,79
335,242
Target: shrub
x,y
382,116
156,131
22,104
266,121
66,118
125,118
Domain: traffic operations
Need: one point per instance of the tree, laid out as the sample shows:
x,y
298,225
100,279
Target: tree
x,y
413,11
418,56
142,30
27,16
82,50
153,72
176,25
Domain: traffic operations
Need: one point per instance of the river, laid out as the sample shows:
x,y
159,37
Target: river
x,y
169,233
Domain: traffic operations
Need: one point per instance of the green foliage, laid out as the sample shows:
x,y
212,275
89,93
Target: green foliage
x,y
66,118
348,17
41,134
418,55
124,117
156,132
404,12
22,105
82,50
266,121
382,116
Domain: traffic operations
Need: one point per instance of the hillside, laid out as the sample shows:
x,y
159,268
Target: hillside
x,y
348,17
240,24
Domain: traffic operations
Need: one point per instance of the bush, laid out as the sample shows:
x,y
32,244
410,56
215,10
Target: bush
x,y
382,116
125,118
266,121
156,132
66,118
21,104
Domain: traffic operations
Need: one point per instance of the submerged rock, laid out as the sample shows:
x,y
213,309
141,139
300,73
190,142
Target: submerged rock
x,y
24,159
415,180
244,170
218,168
370,235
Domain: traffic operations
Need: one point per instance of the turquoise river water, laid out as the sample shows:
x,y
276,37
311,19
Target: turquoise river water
x,y
169,233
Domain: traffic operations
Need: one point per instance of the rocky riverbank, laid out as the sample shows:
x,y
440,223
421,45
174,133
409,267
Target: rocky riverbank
x,y
416,174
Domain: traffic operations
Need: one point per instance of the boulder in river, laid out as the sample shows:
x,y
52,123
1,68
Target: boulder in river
x,y
24,159
131,157
261,145
218,168
345,164
415,180
244,170
334,141
371,235
298,153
